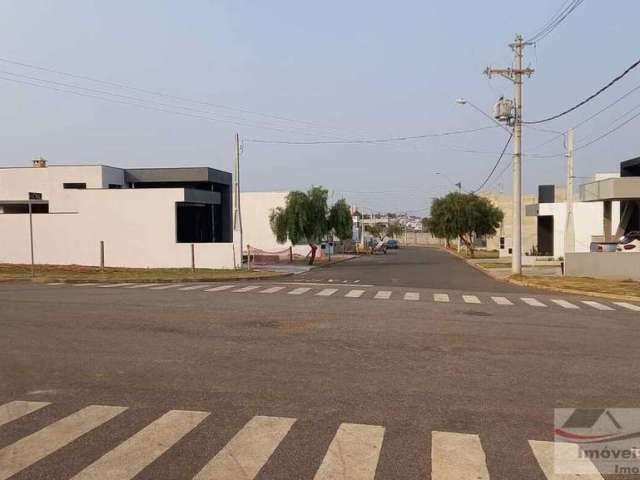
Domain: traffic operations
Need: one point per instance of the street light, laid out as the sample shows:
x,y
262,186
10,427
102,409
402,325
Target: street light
x,y
459,184
464,101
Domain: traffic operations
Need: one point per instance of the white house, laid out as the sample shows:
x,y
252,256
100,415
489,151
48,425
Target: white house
x,y
143,217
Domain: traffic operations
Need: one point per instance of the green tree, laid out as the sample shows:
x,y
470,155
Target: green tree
x,y
340,220
306,218
425,224
395,229
464,215
375,229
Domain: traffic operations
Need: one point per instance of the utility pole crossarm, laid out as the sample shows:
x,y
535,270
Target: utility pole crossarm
x,y
508,73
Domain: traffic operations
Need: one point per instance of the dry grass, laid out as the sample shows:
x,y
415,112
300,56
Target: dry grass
x,y
77,273
584,284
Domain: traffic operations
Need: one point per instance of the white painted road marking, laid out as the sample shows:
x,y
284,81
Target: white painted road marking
x,y
299,291
13,410
558,457
533,302
354,293
248,451
167,287
115,285
630,306
34,447
245,289
271,290
470,299
220,288
383,295
327,292
55,283
130,457
194,287
143,285
502,300
353,453
87,284
565,304
457,456
411,296
596,305
441,297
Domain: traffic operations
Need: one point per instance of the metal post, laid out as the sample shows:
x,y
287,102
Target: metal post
x,y
516,259
237,217
193,258
102,255
33,264
569,231
248,257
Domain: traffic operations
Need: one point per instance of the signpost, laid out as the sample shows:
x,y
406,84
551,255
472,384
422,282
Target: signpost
x,y
32,196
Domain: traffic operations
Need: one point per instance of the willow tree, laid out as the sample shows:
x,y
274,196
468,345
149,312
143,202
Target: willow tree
x,y
306,218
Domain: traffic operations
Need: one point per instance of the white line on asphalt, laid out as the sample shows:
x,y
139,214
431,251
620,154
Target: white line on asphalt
x,y
457,456
144,285
565,304
271,290
194,287
533,302
327,292
13,410
134,454
502,300
411,296
354,293
383,295
441,297
220,288
246,289
248,451
630,306
470,299
167,287
318,284
87,284
563,461
55,283
356,281
353,453
299,291
115,285
34,447
596,305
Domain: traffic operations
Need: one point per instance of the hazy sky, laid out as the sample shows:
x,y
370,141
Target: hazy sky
x,y
342,69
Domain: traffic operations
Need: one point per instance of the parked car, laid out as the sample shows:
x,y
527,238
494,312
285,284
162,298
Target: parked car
x,y
630,242
392,244
603,246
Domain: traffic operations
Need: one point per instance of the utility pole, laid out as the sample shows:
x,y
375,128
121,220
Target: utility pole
x,y
515,75
237,217
569,231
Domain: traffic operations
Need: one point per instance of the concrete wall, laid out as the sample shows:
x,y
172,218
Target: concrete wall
x,y
420,238
137,226
612,265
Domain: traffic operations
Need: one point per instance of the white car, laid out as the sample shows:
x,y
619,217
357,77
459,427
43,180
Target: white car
x,y
629,243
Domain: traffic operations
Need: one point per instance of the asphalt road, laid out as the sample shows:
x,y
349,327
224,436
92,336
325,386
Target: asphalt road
x,y
411,367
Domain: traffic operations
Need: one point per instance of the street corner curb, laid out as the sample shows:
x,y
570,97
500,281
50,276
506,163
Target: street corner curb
x,y
611,296
477,267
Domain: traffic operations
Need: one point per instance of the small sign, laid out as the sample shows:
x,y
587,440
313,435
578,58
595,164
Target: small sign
x,y
35,196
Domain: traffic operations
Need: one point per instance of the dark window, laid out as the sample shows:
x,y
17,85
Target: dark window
x,y
76,186
9,208
194,223
501,243
114,186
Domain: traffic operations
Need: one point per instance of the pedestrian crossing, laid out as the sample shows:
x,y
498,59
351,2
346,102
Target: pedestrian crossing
x,y
346,291
354,452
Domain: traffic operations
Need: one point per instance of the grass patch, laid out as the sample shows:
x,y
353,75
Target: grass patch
x,y
77,273
584,284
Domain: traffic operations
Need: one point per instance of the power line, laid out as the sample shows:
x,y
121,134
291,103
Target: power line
x,y
588,99
496,165
566,10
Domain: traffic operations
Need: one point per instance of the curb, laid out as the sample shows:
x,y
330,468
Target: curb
x,y
151,280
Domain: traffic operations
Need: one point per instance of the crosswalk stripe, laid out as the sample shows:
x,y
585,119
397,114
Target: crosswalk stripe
x,y
246,289
271,290
629,306
143,285
354,293
169,286
248,451
353,453
327,292
90,284
13,410
470,299
220,288
533,302
502,300
30,449
115,285
194,287
441,297
383,295
557,458
130,457
411,296
565,304
457,456
596,305
299,291
52,284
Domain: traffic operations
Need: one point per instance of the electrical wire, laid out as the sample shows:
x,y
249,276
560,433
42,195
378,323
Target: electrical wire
x,y
565,10
586,100
495,166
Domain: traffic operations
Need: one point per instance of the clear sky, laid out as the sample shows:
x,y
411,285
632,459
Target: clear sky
x,y
342,69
